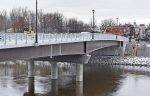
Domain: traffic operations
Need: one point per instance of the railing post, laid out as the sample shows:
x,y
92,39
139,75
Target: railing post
x,y
55,37
79,37
61,36
16,38
71,36
49,37
83,36
26,38
66,37
43,38
91,36
76,37
21,37
5,40
9,37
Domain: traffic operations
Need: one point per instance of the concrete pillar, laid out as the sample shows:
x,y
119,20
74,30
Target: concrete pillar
x,y
79,67
79,72
31,69
54,70
79,88
31,78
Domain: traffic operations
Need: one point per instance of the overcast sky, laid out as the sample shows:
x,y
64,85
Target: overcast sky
x,y
125,10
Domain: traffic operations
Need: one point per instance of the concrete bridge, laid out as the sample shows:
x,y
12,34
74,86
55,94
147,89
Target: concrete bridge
x,y
21,46
75,48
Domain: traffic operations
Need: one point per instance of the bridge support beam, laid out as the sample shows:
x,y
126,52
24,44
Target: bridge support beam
x,y
79,72
54,70
31,77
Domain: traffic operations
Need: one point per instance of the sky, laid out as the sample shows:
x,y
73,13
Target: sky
x,y
126,10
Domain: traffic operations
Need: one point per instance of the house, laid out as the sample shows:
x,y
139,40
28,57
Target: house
x,y
139,30
122,30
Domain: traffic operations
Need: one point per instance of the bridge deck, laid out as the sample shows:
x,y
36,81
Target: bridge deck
x,y
13,40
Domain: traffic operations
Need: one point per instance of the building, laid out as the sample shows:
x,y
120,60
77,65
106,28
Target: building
x,y
147,34
139,30
122,30
142,30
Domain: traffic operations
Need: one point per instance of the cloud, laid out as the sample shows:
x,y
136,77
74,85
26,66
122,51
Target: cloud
x,y
123,9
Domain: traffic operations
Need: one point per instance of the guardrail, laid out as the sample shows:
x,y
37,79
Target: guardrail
x,y
43,38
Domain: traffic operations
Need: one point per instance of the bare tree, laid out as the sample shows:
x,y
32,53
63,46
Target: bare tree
x,y
75,26
58,22
107,23
54,22
87,28
19,19
22,19
3,21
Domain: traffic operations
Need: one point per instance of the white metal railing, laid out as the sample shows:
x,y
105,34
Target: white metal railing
x,y
25,39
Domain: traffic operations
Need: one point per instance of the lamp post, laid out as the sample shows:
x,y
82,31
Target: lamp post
x,y
93,24
36,35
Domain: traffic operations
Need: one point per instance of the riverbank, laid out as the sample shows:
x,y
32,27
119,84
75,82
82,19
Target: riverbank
x,y
139,56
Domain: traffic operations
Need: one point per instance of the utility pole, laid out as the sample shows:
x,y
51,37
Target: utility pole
x,y
93,24
36,35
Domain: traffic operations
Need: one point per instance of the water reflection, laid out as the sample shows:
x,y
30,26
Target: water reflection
x,y
79,89
99,80
54,87
31,88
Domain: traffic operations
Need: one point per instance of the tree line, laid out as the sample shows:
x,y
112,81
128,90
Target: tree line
x,y
21,19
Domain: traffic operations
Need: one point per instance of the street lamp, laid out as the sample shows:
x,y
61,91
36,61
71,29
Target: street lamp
x,y
93,24
36,35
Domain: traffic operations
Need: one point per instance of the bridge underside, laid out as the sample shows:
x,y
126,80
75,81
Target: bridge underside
x,y
79,59
82,58
57,51
108,51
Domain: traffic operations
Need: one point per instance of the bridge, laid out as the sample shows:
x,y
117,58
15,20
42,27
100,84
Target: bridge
x,y
67,47
20,46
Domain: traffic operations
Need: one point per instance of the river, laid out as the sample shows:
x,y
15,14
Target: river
x,y
99,80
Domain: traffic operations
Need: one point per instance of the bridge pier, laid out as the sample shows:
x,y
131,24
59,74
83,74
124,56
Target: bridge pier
x,y
79,67
54,70
31,68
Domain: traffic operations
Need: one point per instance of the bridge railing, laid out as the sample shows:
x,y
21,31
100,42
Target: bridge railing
x,y
23,38
98,36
